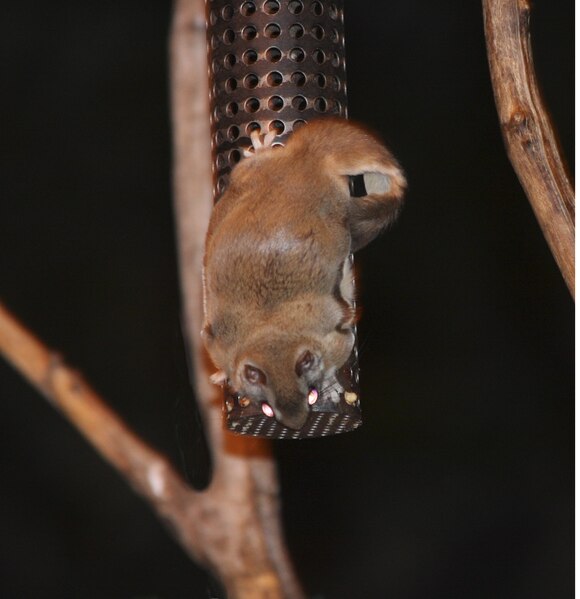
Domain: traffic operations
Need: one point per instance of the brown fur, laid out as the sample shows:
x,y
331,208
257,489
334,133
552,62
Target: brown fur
x,y
276,249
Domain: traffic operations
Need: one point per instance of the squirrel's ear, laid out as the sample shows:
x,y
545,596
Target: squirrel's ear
x,y
207,333
218,378
376,183
376,197
367,183
365,169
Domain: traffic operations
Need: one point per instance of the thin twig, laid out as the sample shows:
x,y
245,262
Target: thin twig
x,y
528,134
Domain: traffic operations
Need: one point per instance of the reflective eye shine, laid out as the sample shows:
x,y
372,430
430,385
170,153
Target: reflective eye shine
x,y
267,410
312,397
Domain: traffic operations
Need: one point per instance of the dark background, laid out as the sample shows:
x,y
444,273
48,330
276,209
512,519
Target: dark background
x,y
460,483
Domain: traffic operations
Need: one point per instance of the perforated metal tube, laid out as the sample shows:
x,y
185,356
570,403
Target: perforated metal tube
x,y
274,65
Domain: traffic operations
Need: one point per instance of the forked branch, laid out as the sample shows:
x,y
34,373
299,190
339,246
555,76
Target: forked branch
x,y
528,134
227,528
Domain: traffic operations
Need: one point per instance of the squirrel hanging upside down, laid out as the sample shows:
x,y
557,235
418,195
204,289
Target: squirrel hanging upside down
x,y
278,286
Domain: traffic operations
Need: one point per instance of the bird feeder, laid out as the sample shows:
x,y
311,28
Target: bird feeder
x,y
273,66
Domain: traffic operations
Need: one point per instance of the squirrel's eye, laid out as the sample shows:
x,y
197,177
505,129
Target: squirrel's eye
x,y
312,396
254,375
267,409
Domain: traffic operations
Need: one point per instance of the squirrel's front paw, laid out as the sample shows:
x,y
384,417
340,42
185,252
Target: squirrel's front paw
x,y
260,142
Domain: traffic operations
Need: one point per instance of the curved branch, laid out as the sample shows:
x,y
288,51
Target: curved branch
x,y
528,134
148,472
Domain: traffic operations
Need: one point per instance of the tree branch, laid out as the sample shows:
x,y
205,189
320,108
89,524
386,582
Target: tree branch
x,y
528,134
232,528
245,488
149,473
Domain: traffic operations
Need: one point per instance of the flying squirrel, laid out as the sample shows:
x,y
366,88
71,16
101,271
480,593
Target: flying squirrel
x,y
278,286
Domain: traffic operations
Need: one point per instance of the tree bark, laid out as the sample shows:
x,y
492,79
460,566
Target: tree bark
x,y
528,134
245,489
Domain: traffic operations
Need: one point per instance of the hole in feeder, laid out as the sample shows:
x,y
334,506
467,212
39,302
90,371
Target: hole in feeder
x,y
253,126
250,57
249,32
274,78
222,183
273,54
233,133
220,161
271,7
320,105
218,138
275,103
297,54
296,31
299,103
227,12
251,81
229,36
318,32
232,109
319,56
277,126
229,61
231,84
272,30
235,156
295,7
317,8
248,8
298,78
252,105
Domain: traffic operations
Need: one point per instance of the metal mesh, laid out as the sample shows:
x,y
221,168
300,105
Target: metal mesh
x,y
274,65
336,411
